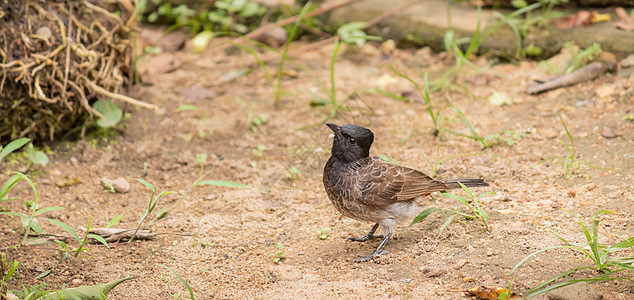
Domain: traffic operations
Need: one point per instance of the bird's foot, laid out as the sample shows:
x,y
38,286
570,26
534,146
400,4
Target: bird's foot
x,y
364,258
364,238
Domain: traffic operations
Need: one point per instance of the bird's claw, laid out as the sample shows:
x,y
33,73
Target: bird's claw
x,y
364,258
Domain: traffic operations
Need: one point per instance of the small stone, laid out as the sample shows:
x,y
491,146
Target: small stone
x,y
433,271
572,193
468,279
609,132
74,162
548,133
591,186
604,91
120,185
76,282
489,252
459,264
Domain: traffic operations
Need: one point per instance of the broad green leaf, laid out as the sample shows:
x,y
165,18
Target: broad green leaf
x,y
88,292
115,220
424,214
201,40
224,183
36,156
111,113
12,146
35,226
65,227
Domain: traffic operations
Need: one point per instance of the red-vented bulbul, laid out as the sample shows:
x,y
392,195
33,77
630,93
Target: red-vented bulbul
x,y
369,189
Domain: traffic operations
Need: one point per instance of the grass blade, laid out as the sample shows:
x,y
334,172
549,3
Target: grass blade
x,y
224,183
424,215
182,280
66,228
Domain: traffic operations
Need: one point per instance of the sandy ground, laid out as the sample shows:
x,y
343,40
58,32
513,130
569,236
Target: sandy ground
x,y
221,239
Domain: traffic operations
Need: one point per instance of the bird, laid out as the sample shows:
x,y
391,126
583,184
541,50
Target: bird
x,y
367,188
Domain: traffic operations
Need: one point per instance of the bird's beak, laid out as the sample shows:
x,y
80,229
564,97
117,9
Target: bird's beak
x,y
336,129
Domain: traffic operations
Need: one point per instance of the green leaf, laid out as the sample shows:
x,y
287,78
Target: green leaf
x,y
9,185
185,107
14,266
114,220
456,197
36,156
202,40
424,214
12,146
11,213
35,226
483,214
446,223
110,111
87,292
149,185
100,239
65,227
224,183
47,209
625,244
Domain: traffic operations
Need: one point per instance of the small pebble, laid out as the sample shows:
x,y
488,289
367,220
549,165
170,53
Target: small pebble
x,y
74,162
468,279
572,193
433,271
460,263
76,282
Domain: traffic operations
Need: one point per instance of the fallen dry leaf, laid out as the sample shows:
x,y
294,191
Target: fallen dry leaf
x,y
625,22
68,181
491,293
598,18
580,19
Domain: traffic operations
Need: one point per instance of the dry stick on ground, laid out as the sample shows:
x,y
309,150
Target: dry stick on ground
x,y
313,46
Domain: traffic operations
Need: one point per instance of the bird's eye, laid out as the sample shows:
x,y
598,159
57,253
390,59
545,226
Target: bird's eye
x,y
352,140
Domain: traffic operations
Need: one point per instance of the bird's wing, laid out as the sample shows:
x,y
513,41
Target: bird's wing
x,y
382,183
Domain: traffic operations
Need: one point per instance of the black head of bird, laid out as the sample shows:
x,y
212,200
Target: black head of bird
x,y
351,142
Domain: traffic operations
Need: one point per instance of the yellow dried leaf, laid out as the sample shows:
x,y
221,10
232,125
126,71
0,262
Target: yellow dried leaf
x,y
597,17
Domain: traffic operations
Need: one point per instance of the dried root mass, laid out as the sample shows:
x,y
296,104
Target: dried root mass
x,y
52,56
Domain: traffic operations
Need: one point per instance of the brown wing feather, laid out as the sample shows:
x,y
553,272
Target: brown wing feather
x,y
382,183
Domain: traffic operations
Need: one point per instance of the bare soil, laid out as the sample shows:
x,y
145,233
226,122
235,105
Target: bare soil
x,y
221,239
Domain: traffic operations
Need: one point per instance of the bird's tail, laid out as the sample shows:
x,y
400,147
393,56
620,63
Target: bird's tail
x,y
468,182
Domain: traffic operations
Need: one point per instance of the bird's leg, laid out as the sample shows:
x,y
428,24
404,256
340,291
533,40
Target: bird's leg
x,y
364,258
368,236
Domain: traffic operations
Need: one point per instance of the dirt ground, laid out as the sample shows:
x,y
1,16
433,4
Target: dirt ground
x,y
221,239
